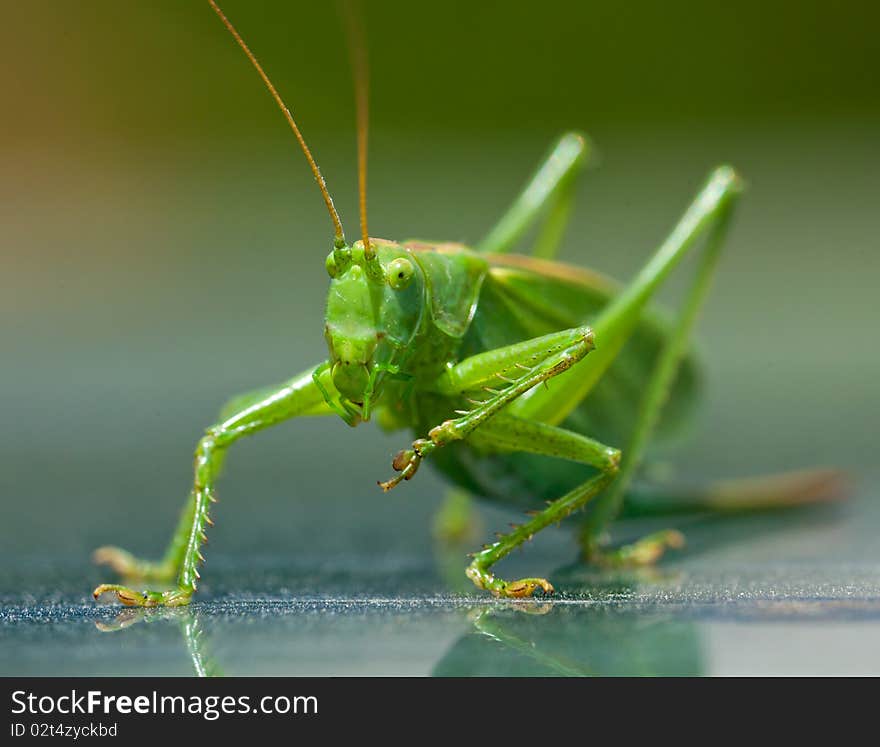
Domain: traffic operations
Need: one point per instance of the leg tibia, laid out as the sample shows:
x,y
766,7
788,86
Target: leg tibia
x,y
707,214
743,495
478,570
488,365
296,397
508,433
708,217
551,189
184,555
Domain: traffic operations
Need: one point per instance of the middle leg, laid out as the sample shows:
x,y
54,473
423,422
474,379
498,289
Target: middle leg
x,y
508,433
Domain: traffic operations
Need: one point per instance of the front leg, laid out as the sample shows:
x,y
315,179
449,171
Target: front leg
x,y
299,396
533,361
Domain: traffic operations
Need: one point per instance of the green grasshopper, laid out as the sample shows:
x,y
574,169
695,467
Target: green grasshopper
x,y
507,367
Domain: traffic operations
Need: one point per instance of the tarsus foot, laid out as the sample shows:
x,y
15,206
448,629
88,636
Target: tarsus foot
x,y
644,552
406,462
525,587
132,598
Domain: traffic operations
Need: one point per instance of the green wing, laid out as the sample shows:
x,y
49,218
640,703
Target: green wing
x,y
524,297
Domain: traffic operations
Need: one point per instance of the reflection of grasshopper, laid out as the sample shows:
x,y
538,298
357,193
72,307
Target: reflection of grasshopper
x,y
190,625
519,637
572,641
486,622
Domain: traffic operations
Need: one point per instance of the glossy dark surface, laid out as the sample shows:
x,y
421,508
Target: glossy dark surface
x,y
728,610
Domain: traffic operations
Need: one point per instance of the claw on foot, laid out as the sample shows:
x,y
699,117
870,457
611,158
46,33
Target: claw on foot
x,y
406,464
132,598
526,587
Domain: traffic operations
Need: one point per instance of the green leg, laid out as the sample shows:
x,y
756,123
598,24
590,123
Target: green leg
x,y
509,433
644,551
135,569
487,426
204,665
550,189
617,322
541,358
656,393
708,214
803,487
255,396
299,396
744,495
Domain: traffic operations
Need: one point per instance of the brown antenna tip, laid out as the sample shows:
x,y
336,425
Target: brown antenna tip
x,y
339,236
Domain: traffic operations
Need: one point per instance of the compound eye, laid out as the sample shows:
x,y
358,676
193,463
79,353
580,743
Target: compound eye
x,y
400,273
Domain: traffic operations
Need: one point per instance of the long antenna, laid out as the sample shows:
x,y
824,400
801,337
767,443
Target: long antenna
x,y
339,236
360,70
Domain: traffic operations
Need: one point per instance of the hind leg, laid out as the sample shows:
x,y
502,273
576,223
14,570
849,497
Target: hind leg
x,y
708,216
740,496
550,192
649,549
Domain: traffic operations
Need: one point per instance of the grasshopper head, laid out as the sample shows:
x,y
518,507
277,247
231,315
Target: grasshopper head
x,y
374,310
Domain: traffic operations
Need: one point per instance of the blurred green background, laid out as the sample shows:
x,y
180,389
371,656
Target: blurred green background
x,y
162,242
